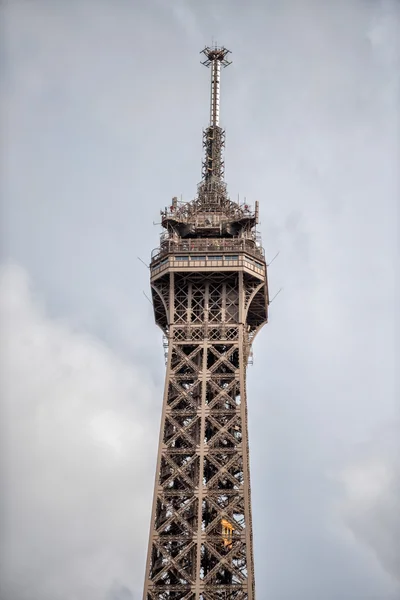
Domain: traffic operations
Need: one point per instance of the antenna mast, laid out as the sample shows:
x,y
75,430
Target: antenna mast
x,y
214,136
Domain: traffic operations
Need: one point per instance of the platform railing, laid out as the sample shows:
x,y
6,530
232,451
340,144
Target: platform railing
x,y
169,246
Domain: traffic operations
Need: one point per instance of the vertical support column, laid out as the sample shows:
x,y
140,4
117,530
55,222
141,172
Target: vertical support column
x,y
160,441
189,304
223,303
171,315
247,491
245,440
241,299
202,448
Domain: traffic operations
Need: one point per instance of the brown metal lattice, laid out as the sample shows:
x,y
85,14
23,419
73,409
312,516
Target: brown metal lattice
x,y
210,296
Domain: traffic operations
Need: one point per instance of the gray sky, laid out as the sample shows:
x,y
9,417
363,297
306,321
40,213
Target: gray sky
x,y
102,104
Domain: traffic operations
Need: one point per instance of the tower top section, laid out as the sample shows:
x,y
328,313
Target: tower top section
x,y
216,53
211,213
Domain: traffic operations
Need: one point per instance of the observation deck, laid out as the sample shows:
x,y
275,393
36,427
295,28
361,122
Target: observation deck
x,y
202,254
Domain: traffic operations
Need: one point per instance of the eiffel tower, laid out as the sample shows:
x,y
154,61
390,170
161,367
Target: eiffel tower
x,y
210,297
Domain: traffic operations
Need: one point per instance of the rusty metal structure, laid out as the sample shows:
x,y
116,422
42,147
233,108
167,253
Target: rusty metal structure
x,y
210,297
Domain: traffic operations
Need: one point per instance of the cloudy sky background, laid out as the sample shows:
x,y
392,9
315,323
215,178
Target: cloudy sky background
x,y
102,104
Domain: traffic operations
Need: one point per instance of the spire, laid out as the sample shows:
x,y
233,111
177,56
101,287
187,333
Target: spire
x,y
214,135
211,212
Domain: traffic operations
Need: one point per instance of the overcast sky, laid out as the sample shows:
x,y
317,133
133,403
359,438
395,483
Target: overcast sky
x,y
102,106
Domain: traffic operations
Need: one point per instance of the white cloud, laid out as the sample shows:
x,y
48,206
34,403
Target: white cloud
x,y
78,444
371,504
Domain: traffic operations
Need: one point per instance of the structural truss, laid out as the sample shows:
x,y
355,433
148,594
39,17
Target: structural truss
x,y
210,296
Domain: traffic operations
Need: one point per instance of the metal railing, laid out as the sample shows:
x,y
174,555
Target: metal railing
x,y
208,245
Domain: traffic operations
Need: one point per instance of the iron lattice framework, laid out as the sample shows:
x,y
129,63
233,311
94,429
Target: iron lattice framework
x,y
210,296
